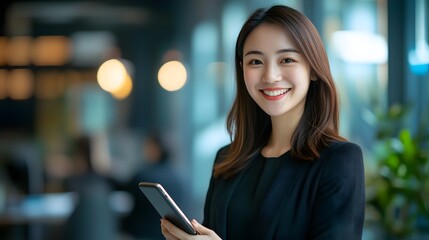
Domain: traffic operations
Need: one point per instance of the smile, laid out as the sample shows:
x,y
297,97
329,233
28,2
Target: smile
x,y
278,92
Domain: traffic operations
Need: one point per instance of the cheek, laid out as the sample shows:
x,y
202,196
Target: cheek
x,y
299,78
250,77
250,82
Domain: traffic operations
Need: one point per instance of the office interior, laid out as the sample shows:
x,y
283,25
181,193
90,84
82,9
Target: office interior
x,y
121,70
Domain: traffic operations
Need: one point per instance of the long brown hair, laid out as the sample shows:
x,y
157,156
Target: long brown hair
x,y
250,127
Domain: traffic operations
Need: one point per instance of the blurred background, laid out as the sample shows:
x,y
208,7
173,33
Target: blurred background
x,y
96,96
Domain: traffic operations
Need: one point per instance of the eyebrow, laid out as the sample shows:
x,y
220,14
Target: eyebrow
x,y
278,52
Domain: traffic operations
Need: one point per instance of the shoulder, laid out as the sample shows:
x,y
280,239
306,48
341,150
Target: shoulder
x,y
341,148
342,158
221,153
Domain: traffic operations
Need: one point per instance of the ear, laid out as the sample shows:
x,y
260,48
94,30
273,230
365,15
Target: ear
x,y
241,64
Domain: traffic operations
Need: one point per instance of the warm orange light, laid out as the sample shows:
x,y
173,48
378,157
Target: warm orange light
x,y
51,50
19,51
3,44
73,77
3,84
20,84
111,75
172,76
125,90
49,84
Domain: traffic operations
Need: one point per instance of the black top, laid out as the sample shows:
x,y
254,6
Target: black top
x,y
319,199
245,202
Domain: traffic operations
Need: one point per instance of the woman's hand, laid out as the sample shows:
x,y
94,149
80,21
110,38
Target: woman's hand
x,y
171,232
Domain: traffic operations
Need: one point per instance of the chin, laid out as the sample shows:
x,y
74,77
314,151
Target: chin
x,y
274,113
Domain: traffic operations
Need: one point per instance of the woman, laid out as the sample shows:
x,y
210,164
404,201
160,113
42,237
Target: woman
x,y
287,174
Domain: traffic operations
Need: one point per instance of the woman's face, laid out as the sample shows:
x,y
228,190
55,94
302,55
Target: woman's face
x,y
276,74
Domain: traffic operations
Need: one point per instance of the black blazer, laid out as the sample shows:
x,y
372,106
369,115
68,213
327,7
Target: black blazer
x,y
323,199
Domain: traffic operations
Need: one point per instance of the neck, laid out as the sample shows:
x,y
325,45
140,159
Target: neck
x,y
283,128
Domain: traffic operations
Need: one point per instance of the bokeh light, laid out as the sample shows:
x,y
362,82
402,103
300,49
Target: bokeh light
x,y
124,90
50,84
3,47
111,75
354,46
3,84
172,76
20,84
51,50
19,51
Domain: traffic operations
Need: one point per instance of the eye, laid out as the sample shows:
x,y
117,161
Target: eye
x,y
287,60
255,62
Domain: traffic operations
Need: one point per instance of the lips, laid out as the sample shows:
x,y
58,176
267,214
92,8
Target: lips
x,y
275,92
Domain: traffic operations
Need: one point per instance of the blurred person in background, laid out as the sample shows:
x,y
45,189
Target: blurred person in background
x,y
14,186
93,217
287,174
15,175
157,166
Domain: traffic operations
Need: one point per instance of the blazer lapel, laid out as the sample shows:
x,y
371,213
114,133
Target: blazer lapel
x,y
225,189
284,182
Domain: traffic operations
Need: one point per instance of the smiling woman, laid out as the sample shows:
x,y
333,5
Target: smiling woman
x,y
287,174
275,71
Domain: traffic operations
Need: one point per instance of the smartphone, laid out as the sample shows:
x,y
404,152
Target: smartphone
x,y
165,206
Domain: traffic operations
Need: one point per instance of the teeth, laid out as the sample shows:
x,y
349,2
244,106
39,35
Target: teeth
x,y
276,92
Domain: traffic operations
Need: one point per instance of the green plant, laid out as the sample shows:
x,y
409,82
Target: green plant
x,y
401,182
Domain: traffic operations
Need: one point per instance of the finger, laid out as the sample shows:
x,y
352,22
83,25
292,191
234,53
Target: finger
x,y
201,229
173,230
166,233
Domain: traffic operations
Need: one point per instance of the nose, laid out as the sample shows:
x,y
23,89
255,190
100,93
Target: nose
x,y
272,73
